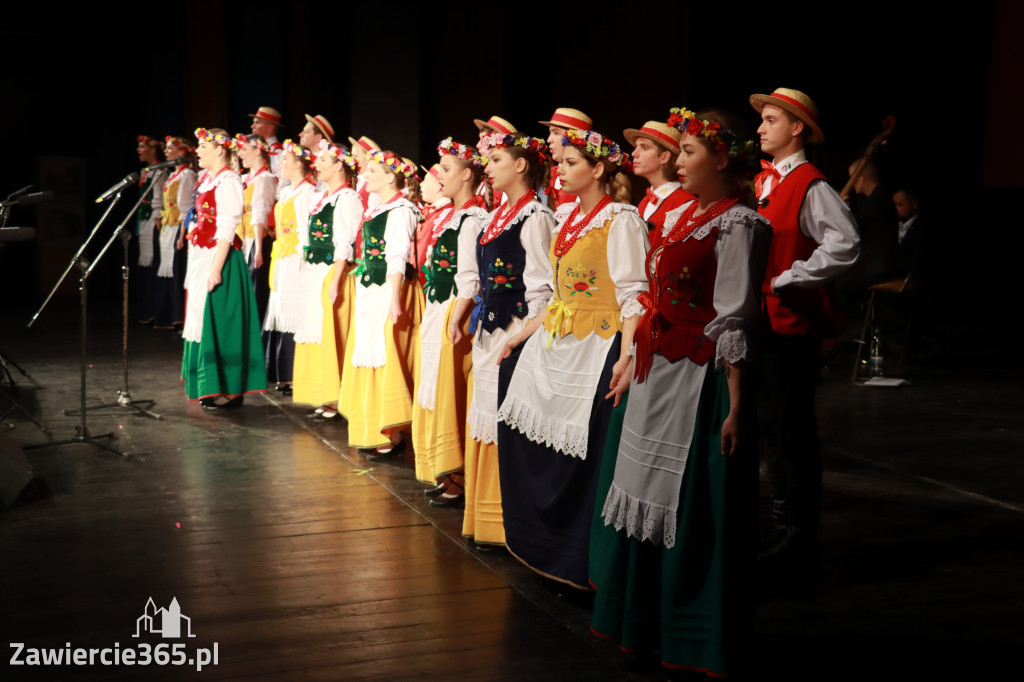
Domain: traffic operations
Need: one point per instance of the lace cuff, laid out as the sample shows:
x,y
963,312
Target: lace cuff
x,y
731,347
536,307
630,308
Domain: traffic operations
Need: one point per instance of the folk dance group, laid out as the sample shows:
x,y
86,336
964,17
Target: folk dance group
x,y
576,370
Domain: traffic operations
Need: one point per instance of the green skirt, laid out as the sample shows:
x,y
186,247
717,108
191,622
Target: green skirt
x,y
228,360
695,601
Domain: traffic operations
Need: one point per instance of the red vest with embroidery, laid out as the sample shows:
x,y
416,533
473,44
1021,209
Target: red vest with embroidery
x,y
205,233
656,222
681,278
797,310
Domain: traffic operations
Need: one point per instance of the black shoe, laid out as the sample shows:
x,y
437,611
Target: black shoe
x,y
315,414
394,451
221,403
441,487
286,389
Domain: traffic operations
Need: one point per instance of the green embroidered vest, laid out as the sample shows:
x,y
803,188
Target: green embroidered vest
x,y
441,269
321,236
375,268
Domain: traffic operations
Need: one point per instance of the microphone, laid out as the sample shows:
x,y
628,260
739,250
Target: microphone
x,y
34,198
166,164
18,193
126,181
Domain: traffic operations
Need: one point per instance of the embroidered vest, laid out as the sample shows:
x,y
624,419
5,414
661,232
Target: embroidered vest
x,y
246,228
171,213
286,228
375,267
681,278
321,235
797,311
584,286
443,264
502,262
205,233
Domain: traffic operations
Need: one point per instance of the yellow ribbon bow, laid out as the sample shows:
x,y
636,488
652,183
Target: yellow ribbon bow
x,y
562,315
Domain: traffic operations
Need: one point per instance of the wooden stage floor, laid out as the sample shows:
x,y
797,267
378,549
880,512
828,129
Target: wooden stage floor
x,y
302,562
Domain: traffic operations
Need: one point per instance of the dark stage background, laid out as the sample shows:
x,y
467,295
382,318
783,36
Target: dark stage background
x,y
81,86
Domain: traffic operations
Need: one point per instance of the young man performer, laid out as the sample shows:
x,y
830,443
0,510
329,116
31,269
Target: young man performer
x,y
654,160
562,121
814,239
265,123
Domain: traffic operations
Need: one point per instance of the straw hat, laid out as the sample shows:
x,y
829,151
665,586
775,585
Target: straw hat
x,y
268,114
666,136
366,143
796,103
496,124
569,118
323,125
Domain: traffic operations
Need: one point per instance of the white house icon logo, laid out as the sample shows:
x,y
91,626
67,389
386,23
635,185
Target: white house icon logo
x,y
167,622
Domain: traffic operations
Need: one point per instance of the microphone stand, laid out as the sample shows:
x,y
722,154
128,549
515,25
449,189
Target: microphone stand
x,y
124,398
82,434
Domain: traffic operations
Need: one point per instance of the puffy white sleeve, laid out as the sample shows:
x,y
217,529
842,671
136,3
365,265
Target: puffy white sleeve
x,y
398,235
229,206
467,275
348,216
825,218
186,191
628,244
742,253
264,194
537,276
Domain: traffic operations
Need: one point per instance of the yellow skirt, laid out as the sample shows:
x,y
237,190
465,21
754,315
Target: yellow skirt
x,y
317,371
345,311
375,400
438,434
483,520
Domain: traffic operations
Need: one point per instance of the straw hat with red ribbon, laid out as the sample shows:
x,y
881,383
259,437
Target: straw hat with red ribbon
x,y
495,124
569,119
268,114
656,131
323,125
796,103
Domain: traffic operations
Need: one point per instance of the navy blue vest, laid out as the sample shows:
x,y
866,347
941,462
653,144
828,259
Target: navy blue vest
x,y
502,262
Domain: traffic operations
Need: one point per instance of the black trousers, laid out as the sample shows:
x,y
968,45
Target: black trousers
x,y
787,381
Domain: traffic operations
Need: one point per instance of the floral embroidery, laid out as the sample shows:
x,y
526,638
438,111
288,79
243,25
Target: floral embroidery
x,y
375,248
490,315
581,280
444,259
605,326
677,297
501,274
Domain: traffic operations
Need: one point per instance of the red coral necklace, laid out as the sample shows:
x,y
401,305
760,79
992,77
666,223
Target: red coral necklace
x,y
442,226
686,225
570,232
501,220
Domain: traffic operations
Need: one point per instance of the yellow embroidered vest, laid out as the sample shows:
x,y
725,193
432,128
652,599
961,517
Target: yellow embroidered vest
x,y
584,301
286,231
245,228
171,214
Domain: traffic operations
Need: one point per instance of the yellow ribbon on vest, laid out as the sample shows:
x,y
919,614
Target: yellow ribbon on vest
x,y
561,316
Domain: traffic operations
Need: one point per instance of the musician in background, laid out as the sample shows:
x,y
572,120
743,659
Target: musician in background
x,y
814,240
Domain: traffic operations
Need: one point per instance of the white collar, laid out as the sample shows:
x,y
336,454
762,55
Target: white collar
x,y
666,189
786,165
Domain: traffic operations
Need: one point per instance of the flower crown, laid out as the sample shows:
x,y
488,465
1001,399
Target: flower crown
x,y
223,139
252,140
147,140
297,150
461,151
392,163
725,140
502,140
339,153
601,147
180,142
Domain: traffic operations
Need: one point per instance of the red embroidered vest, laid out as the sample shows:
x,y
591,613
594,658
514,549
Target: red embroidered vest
x,y
681,278
205,233
797,311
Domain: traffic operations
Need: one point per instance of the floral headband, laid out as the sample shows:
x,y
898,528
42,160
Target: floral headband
x,y
147,140
391,163
297,150
223,139
252,140
725,140
461,151
339,154
180,143
502,140
601,147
